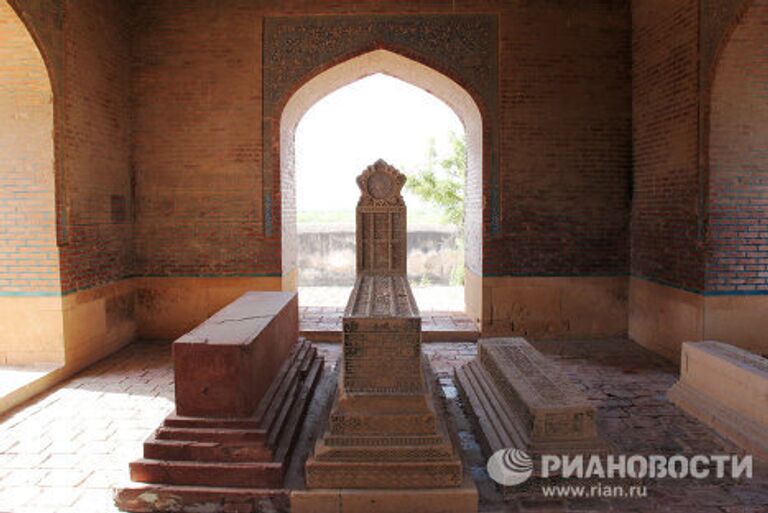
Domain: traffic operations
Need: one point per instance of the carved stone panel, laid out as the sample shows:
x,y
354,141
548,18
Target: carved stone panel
x,y
296,48
381,224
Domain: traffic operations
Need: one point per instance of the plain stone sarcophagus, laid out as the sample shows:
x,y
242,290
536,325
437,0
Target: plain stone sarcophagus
x,y
223,367
521,400
243,384
736,403
386,446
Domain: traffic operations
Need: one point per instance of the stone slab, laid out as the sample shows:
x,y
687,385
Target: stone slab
x,y
224,367
726,388
461,499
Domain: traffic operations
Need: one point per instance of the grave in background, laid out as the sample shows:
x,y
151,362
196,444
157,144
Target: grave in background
x,y
736,403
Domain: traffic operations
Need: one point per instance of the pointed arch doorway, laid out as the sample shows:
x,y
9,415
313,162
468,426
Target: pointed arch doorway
x,y
381,61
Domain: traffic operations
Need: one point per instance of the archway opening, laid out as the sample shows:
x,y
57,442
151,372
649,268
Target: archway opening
x,y
380,117
30,284
412,73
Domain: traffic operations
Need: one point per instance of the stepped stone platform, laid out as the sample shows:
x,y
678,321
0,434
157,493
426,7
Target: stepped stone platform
x,y
519,399
736,403
227,446
383,430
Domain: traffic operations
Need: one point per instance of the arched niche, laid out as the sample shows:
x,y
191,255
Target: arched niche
x,y
30,283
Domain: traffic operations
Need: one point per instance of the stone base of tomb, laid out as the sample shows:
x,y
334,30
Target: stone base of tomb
x,y
461,499
385,442
194,464
386,454
736,403
518,399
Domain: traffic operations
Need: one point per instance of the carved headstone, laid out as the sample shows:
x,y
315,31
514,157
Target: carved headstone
x,y
381,225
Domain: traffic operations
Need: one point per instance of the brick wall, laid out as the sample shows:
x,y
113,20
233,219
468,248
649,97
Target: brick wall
x,y
95,144
86,44
738,160
29,257
565,140
197,140
666,226
564,150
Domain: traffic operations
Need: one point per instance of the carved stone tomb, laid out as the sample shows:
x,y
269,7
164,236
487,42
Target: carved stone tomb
x,y
385,432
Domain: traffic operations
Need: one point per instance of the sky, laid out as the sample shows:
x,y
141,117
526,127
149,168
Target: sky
x,y
376,117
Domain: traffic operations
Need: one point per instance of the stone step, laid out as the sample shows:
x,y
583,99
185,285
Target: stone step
x,y
382,474
252,474
290,432
392,425
369,441
143,498
210,435
178,421
496,429
183,450
386,451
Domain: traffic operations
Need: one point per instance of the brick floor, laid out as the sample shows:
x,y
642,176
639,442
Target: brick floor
x,y
64,451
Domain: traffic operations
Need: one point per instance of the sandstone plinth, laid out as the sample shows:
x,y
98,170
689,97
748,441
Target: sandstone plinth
x,y
384,430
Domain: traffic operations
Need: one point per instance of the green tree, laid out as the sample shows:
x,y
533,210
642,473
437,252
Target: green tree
x,y
444,189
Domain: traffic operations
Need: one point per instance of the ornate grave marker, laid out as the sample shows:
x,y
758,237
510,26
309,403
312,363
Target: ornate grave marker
x,y
385,433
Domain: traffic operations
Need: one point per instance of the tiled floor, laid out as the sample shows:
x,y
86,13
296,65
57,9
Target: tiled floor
x,y
62,452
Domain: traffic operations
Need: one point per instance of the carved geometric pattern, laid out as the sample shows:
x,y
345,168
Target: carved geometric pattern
x,y
381,184
381,222
462,46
